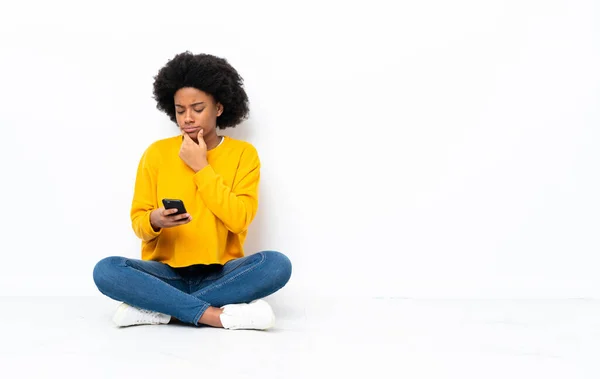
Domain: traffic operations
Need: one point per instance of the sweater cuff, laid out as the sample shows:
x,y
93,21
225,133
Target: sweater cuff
x,y
204,176
148,229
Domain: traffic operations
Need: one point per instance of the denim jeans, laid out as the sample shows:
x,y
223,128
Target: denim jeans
x,y
185,293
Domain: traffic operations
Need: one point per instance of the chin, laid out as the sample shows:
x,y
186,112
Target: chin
x,y
193,135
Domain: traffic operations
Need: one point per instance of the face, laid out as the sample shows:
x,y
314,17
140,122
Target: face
x,y
195,110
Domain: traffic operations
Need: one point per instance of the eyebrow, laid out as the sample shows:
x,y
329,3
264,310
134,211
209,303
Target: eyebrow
x,y
179,105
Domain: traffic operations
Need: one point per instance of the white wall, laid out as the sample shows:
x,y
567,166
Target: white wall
x,y
423,149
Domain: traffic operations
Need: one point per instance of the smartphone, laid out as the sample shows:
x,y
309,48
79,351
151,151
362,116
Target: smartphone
x,y
174,203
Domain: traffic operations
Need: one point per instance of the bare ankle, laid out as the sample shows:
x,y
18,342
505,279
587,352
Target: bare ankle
x,y
212,317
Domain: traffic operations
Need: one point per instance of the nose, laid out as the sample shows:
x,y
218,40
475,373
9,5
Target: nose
x,y
187,117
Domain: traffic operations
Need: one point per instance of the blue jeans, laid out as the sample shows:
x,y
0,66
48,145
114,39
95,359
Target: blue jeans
x,y
186,292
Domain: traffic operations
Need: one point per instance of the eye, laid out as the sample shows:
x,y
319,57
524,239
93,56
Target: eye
x,y
198,110
180,112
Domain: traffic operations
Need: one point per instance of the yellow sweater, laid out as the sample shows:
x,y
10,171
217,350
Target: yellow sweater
x,y
222,199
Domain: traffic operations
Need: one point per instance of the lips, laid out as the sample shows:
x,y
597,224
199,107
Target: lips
x,y
190,129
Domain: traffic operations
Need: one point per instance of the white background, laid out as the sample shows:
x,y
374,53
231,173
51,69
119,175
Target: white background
x,y
410,149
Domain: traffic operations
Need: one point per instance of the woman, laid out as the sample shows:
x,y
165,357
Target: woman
x,y
193,267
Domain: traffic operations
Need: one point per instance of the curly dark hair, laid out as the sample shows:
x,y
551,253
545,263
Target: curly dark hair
x,y
206,73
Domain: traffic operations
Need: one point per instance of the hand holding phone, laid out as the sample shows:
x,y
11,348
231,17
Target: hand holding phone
x,y
173,214
174,204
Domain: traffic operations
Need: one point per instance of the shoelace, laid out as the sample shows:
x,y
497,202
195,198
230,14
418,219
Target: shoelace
x,y
147,313
243,317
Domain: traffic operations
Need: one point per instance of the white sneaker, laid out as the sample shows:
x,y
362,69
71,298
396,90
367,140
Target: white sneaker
x,y
256,315
127,315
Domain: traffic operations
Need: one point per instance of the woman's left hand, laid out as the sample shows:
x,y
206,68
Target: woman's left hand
x,y
192,153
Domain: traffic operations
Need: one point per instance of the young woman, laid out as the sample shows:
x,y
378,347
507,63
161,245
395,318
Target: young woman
x,y
193,267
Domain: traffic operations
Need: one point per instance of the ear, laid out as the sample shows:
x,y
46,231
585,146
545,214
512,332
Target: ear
x,y
219,109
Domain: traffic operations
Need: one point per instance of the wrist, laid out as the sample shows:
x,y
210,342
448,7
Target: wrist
x,y
153,225
155,228
201,165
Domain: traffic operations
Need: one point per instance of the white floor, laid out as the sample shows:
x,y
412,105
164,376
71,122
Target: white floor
x,y
314,338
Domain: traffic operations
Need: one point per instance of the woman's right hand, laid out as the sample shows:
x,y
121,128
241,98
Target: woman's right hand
x,y
163,218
